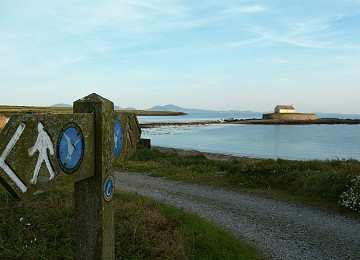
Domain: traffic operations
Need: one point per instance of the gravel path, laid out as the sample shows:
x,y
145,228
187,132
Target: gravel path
x,y
280,230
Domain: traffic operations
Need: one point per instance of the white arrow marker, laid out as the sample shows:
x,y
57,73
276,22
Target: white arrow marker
x,y
6,152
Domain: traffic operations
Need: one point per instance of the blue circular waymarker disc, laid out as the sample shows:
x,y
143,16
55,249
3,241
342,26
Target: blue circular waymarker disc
x,y
118,138
108,187
70,148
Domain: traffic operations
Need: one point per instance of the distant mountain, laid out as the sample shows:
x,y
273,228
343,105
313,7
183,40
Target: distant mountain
x,y
61,105
124,108
174,108
116,107
171,107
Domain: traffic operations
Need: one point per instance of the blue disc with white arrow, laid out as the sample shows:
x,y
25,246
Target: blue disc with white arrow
x,y
70,148
118,138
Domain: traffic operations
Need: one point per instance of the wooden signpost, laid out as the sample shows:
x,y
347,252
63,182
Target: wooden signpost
x,y
38,152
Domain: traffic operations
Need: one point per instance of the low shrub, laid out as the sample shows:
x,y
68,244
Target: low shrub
x,y
351,197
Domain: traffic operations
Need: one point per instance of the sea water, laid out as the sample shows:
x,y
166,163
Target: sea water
x,y
214,116
299,142
195,117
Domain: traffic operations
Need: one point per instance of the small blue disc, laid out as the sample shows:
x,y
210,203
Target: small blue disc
x,y
108,187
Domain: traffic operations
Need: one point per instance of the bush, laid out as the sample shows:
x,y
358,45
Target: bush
x,y
351,198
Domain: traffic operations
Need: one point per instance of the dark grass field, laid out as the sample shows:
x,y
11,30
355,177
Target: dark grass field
x,y
43,228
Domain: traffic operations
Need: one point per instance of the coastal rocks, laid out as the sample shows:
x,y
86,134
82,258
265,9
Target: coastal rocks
x,y
318,121
289,116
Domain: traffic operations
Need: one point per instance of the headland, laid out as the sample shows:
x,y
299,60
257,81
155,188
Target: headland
x,y
318,121
9,111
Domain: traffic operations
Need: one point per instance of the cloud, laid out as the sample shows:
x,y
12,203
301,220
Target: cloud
x,y
174,43
245,9
309,34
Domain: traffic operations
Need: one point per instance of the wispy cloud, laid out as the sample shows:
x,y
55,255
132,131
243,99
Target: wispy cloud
x,y
176,43
313,33
245,9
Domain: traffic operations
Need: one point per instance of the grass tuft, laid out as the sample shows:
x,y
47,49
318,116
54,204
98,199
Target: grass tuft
x,y
163,232
37,229
43,228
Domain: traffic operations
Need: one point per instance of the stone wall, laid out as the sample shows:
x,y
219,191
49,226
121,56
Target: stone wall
x,y
2,121
289,116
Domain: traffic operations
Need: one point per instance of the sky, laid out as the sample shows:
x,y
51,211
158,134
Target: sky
x,y
216,54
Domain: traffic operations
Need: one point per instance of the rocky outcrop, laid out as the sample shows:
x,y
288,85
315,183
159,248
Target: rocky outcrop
x,y
289,116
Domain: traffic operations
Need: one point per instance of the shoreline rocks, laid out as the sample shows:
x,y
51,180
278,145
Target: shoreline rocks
x,y
319,121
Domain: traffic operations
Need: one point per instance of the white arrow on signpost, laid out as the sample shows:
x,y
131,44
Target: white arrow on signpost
x,y
6,152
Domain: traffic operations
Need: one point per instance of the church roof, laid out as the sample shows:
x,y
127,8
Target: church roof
x,y
285,107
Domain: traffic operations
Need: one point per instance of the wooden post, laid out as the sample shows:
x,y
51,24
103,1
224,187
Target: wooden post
x,y
95,231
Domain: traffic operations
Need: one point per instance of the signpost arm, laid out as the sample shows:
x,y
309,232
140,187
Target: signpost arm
x,y
95,231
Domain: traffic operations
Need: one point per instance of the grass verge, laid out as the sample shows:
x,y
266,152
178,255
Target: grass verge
x,y
315,183
16,110
150,230
43,228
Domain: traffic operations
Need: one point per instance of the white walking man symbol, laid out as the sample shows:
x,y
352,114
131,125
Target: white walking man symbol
x,y
42,144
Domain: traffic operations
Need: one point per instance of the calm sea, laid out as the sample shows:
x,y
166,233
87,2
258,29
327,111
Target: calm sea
x,y
302,142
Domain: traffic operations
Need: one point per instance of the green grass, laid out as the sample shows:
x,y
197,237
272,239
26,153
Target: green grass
x,y
151,230
317,183
16,110
43,228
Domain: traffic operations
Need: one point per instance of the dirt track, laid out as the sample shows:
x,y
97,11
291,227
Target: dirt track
x,y
279,230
